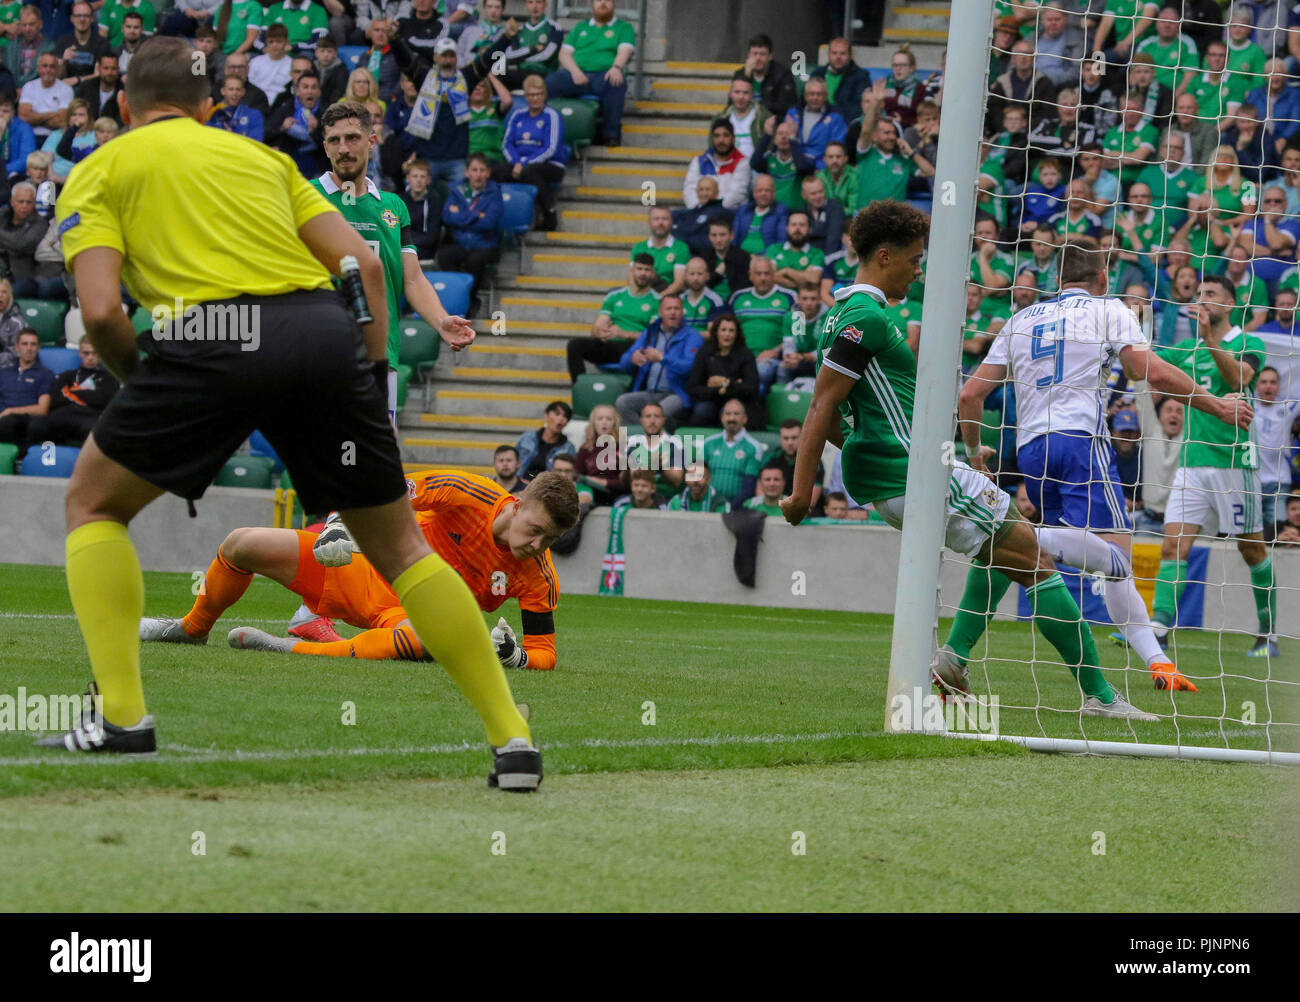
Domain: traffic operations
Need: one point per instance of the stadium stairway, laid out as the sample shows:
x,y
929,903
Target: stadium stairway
x,y
498,389
918,22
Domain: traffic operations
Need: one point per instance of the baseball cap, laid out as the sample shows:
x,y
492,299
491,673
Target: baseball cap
x,y
444,45
1125,421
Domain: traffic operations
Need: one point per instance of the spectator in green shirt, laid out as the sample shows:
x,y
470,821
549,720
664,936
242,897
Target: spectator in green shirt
x,y
592,60
111,14
770,484
699,494
625,313
838,178
885,169
489,103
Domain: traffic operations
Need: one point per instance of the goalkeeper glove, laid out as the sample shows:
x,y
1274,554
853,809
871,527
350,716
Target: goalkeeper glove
x,y
512,655
334,546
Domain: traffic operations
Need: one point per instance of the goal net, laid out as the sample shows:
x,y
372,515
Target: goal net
x,y
1169,134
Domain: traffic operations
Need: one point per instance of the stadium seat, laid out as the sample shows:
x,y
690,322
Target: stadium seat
x,y
403,384
579,121
597,388
771,439
787,404
690,435
141,320
420,344
259,446
50,461
44,317
60,359
8,455
453,288
519,200
245,471
349,54
991,430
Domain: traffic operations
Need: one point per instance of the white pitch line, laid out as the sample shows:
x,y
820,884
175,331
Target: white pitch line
x,y
189,754
68,615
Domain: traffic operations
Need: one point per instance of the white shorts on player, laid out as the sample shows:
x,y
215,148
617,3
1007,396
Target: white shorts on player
x,y
1216,499
977,507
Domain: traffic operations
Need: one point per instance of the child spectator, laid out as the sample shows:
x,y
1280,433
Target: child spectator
x,y
597,462
770,488
642,494
424,208
333,71
269,72
728,264
38,175
1045,197
489,102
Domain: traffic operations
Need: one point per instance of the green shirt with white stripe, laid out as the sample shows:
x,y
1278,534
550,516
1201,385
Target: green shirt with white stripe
x,y
672,255
629,312
697,314
762,318
1207,441
382,219
859,340
730,462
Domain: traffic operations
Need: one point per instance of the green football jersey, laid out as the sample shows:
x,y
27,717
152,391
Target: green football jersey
x,y
1207,441
1174,60
302,23
844,191
1246,64
784,256
112,13
244,14
840,270
1001,263
770,510
881,176
629,312
486,130
672,255
537,38
711,502
730,462
1252,294
1172,190
1126,13
382,220
904,313
697,314
859,340
1121,140
804,331
762,318
785,178
595,46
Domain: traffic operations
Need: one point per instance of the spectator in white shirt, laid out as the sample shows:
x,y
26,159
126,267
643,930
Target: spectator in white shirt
x,y
269,72
43,102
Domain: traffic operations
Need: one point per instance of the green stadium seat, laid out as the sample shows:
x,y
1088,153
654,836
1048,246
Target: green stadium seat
x,y
403,384
786,404
245,471
691,437
594,388
8,455
418,352
44,317
771,439
579,121
633,429
991,430
141,320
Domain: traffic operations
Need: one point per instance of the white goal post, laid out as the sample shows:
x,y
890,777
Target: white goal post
x,y
1205,726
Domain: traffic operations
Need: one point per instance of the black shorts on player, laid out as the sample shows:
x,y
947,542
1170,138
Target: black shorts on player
x,y
306,386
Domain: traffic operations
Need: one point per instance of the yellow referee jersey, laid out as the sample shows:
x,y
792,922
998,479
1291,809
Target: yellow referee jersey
x,y
197,213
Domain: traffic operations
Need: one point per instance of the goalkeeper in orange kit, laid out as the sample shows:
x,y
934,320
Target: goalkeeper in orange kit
x,y
496,542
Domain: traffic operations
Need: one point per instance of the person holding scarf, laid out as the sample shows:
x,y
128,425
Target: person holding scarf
x,y
437,130
295,128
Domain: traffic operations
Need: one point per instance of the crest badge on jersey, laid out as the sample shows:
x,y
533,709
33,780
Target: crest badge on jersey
x,y
389,217
410,489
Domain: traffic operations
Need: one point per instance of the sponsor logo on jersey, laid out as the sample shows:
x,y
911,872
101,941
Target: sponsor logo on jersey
x,y
852,333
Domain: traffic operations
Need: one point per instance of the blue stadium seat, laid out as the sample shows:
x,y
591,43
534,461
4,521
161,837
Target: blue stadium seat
x,y
349,54
517,220
50,461
453,288
60,359
259,446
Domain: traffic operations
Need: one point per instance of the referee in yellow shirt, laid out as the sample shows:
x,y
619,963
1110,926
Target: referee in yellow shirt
x,y
226,231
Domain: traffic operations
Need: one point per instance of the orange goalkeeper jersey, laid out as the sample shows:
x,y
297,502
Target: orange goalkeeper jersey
x,y
456,511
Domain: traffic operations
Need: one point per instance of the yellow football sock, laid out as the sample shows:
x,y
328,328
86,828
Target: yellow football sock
x,y
450,625
107,592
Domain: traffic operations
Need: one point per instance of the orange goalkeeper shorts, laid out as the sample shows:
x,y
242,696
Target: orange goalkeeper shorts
x,y
355,593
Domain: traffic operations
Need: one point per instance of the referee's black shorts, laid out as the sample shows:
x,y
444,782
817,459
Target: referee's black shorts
x,y
306,386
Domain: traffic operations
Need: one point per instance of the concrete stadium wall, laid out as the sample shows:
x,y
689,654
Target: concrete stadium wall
x,y
717,31
677,556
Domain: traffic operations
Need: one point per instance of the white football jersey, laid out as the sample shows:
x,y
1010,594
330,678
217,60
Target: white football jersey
x,y
1058,355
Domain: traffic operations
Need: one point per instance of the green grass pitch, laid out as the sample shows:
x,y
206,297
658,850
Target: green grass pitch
x,y
766,735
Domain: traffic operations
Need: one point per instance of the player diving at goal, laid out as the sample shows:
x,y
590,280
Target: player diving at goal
x,y
1058,355
867,371
497,543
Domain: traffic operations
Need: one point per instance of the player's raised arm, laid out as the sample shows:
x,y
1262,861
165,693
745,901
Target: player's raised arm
x,y
1140,362
330,239
821,425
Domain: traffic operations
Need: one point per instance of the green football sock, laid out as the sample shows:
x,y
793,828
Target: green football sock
x,y
1263,584
1057,616
984,590
1170,581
